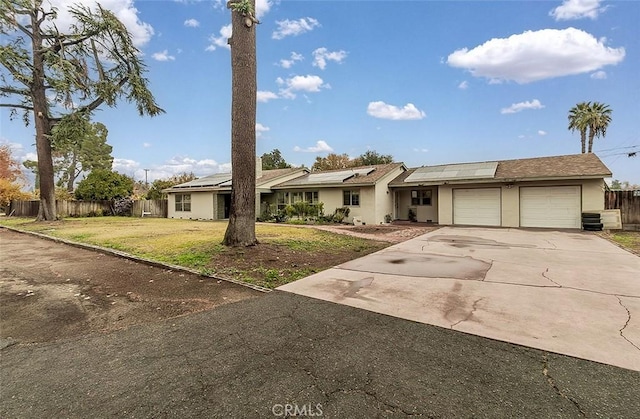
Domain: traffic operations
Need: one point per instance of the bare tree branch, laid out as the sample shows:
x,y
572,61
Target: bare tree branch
x,y
10,105
13,90
25,30
57,47
100,100
16,74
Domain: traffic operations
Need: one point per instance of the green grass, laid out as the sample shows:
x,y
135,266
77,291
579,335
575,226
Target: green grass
x,y
627,239
197,244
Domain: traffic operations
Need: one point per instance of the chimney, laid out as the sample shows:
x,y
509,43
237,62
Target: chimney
x,y
258,167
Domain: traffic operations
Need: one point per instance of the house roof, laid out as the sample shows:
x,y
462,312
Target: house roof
x,y
269,175
540,168
363,176
223,180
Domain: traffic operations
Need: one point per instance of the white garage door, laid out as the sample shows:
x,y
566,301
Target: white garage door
x,y
551,206
479,206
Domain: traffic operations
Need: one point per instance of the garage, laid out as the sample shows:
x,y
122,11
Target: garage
x,y
550,206
476,206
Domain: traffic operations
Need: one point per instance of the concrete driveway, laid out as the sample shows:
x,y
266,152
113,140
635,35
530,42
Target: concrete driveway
x,y
572,293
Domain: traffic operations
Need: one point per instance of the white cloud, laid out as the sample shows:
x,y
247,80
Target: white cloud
x,y
599,75
126,166
124,10
308,83
174,166
537,55
322,55
320,147
290,62
263,7
542,133
421,150
220,41
146,145
265,96
179,164
382,110
191,23
294,27
16,148
261,129
577,9
464,85
521,106
163,56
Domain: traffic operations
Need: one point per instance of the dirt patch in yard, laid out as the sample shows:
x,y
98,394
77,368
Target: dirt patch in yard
x,y
271,265
50,291
391,233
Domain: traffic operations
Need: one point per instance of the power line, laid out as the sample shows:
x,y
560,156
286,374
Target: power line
x,y
624,153
618,148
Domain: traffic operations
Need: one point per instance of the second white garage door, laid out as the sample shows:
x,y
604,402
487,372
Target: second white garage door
x,y
479,206
551,207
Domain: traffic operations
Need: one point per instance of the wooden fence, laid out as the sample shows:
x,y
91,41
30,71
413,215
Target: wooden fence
x,y
147,208
628,202
150,208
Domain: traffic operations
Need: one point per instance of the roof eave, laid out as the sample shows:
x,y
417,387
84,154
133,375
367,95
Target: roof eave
x,y
197,189
497,180
322,185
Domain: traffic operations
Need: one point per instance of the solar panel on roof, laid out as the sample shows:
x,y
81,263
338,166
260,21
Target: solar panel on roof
x,y
340,176
211,180
331,177
454,172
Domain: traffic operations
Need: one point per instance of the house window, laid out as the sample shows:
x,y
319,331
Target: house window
x,y
183,202
311,197
282,200
351,198
422,197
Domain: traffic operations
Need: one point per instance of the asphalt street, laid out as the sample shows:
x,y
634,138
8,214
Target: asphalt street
x,y
282,354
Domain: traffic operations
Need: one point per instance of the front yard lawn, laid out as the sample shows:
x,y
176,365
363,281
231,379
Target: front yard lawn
x,y
285,253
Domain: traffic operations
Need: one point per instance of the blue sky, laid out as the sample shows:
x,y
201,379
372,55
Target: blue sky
x,y
429,82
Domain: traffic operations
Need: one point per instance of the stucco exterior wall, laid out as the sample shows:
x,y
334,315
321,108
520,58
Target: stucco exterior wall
x,y
445,205
593,195
331,199
201,206
366,211
510,206
592,198
424,213
383,197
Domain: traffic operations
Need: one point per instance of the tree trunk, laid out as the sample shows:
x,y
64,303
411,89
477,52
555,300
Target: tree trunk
x,y
47,210
583,139
72,174
241,230
592,134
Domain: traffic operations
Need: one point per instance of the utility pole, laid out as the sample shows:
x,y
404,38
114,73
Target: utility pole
x,y
146,177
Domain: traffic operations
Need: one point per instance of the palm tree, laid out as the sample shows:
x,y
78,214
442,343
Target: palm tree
x,y
578,121
598,119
